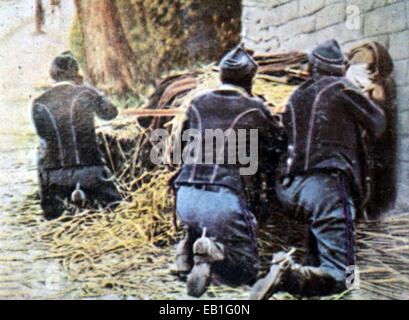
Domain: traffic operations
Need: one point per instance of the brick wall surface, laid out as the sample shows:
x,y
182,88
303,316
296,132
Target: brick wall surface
x,y
282,25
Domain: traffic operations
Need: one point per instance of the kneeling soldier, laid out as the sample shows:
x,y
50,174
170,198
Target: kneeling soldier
x,y
70,166
220,240
328,123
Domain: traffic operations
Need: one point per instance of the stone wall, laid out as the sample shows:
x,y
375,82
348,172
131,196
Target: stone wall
x,y
281,25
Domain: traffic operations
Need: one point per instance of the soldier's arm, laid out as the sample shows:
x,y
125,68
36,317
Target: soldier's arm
x,y
185,125
40,122
102,106
272,143
273,132
369,115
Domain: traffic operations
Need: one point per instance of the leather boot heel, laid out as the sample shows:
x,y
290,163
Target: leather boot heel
x,y
199,279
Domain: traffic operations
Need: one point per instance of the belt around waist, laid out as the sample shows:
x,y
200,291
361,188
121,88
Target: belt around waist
x,y
207,187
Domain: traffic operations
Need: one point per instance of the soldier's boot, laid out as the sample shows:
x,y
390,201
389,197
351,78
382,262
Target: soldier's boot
x,y
311,281
273,281
206,252
287,276
184,257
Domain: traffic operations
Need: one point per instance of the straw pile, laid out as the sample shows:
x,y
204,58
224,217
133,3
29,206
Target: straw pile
x,y
128,253
275,82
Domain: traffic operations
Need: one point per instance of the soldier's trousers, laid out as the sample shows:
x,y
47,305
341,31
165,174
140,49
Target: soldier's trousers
x,y
56,187
227,219
324,198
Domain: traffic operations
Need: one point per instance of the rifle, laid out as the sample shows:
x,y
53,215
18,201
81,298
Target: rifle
x,y
139,113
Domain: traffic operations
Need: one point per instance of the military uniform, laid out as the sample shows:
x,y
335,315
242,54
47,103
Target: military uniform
x,y
211,196
376,80
69,159
323,177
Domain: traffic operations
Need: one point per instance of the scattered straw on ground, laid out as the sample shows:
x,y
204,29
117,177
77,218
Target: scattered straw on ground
x,y
128,253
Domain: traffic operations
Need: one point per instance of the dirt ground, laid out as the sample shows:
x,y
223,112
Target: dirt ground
x,y
24,62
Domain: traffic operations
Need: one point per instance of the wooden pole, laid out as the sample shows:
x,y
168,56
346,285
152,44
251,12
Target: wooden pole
x,y
39,16
139,113
153,112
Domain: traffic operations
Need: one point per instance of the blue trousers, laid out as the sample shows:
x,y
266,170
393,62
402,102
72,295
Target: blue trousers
x,y
57,185
325,200
225,216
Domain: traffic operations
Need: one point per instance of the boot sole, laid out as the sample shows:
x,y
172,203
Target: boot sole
x,y
198,280
265,287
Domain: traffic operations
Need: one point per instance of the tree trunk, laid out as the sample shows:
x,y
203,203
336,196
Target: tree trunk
x,y
108,56
167,35
152,37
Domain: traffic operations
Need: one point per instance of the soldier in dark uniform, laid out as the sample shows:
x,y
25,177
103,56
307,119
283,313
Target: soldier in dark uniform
x,y
328,123
220,238
370,68
70,166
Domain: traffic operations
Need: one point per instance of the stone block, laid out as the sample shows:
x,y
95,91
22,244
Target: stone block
x,y
329,2
387,19
382,39
302,42
339,32
363,5
251,14
403,148
307,7
402,98
400,72
407,13
268,46
296,27
330,15
252,32
282,1
284,13
249,43
379,3
407,76
403,123
259,3
399,45
382,3
403,175
402,201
